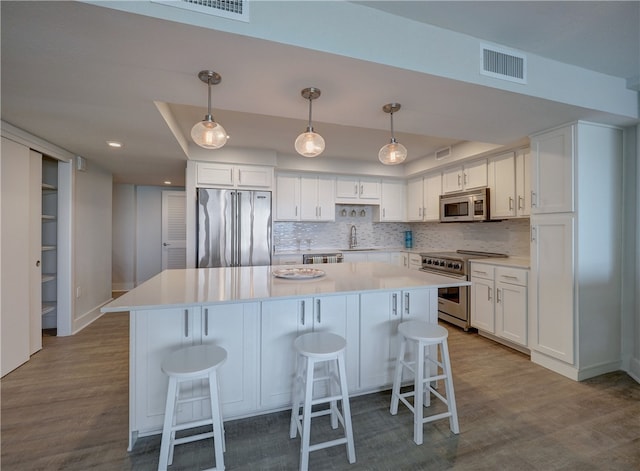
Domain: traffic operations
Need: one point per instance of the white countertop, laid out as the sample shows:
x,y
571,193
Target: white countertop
x,y
196,286
516,262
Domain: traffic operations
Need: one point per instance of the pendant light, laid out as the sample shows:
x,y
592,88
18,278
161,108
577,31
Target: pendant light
x,y
309,143
393,153
207,133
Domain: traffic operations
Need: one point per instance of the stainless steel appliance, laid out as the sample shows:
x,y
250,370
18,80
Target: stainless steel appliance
x,y
454,303
234,228
322,258
465,206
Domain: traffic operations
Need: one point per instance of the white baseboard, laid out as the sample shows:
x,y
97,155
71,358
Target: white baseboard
x,y
634,369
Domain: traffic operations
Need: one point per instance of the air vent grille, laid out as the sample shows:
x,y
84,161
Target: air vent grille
x,y
443,153
503,63
235,9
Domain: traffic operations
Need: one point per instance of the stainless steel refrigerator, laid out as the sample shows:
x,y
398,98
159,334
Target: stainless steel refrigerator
x,y
234,228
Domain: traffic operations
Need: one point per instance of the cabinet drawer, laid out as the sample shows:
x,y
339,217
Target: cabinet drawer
x,y
514,276
480,270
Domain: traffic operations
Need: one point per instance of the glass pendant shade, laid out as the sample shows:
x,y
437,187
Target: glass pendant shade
x,y
393,153
209,134
309,144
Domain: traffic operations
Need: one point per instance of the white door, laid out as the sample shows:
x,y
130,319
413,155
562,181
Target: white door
x,y
174,230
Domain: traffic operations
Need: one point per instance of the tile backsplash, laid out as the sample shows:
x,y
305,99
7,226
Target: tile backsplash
x,y
509,236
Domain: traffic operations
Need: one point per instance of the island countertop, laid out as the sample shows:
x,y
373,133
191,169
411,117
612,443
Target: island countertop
x,y
197,286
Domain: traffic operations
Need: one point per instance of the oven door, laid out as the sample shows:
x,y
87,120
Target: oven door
x,y
453,301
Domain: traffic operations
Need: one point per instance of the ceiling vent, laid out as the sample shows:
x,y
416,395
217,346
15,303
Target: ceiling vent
x,y
503,63
234,9
443,153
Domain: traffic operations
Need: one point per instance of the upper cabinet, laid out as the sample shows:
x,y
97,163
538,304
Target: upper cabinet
x,y
502,184
552,167
392,202
306,198
423,198
523,183
233,176
465,177
350,190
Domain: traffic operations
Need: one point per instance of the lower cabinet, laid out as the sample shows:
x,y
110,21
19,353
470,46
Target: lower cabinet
x,y
285,319
380,314
156,333
499,301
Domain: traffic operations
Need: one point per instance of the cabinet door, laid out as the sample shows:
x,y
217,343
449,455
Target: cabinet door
x,y
326,199
339,314
154,334
347,188
552,171
475,175
523,183
551,298
214,174
482,304
287,198
415,200
282,321
379,319
511,312
432,192
235,327
502,184
369,190
250,176
392,206
308,198
452,180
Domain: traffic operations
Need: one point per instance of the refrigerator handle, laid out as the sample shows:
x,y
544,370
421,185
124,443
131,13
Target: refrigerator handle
x,y
235,214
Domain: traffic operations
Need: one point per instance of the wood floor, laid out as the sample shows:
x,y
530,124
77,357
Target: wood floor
x,y
67,409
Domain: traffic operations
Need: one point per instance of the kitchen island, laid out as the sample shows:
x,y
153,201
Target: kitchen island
x,y
255,316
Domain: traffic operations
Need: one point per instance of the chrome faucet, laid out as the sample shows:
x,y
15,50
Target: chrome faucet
x,y
354,238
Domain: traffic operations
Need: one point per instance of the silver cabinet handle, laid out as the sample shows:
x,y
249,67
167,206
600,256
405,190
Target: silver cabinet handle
x,y
465,178
296,210
406,300
534,203
533,234
420,212
394,297
319,211
355,188
498,295
206,322
319,315
186,323
488,293
510,203
520,202
384,212
302,312
459,178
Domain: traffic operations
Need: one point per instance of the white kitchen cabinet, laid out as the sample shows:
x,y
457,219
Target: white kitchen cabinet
x,y
287,198
156,333
400,258
380,314
392,202
235,327
499,302
552,286
482,297
351,190
283,321
502,185
466,177
577,223
552,175
523,183
423,198
233,176
317,199
415,261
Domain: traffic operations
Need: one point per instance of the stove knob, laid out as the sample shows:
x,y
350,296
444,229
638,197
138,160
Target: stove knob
x,y
449,265
456,266
429,262
442,263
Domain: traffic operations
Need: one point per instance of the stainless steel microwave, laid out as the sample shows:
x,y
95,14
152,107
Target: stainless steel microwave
x,y
465,206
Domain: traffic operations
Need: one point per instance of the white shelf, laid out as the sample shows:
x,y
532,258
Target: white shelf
x,y
48,218
46,187
46,248
48,277
48,307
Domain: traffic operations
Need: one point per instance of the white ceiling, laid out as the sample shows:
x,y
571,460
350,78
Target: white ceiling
x,y
78,75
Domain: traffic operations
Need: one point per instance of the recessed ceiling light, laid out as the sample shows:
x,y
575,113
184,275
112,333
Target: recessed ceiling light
x,y
167,182
115,144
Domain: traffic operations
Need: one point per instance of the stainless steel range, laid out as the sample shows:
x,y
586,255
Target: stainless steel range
x,y
454,303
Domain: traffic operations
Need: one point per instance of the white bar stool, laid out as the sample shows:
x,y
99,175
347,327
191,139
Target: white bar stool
x,y
326,349
189,364
425,335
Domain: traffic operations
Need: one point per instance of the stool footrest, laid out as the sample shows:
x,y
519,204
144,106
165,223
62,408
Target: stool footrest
x,y
329,444
324,400
188,425
192,438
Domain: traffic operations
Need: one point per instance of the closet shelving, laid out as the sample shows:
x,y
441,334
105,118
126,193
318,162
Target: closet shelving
x,y
49,242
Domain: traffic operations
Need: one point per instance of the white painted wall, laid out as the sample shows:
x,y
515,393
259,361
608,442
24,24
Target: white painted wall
x,y
124,237
92,205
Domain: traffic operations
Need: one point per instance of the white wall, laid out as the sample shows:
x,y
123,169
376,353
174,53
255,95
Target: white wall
x,y
92,205
124,237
